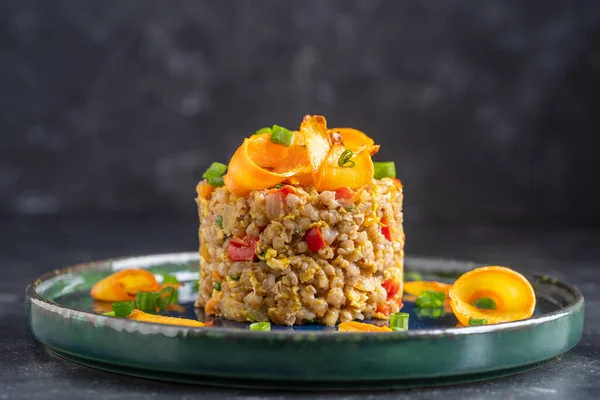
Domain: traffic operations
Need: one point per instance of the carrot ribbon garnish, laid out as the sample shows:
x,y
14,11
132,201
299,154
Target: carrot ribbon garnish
x,y
311,158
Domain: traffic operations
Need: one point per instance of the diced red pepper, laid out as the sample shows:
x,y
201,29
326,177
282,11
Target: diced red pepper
x,y
386,229
391,305
242,249
314,239
391,286
344,193
384,309
241,253
284,192
397,181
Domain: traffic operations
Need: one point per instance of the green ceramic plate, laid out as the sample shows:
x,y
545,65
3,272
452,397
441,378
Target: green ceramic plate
x,y
62,316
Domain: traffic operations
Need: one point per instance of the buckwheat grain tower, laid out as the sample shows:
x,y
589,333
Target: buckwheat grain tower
x,y
303,227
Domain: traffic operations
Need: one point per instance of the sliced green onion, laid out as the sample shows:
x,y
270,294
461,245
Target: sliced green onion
x,y
215,169
196,285
149,301
251,317
215,180
477,322
217,286
345,161
214,174
260,326
146,301
166,278
279,186
266,129
281,135
123,308
109,314
399,321
350,208
235,277
219,221
174,297
163,301
485,303
430,312
386,169
412,276
430,299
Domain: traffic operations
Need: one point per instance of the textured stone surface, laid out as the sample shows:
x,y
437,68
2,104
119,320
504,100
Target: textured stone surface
x,y
488,108
32,246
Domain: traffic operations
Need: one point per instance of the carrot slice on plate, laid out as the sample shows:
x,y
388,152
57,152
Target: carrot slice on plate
x,y
416,287
354,326
138,315
124,285
509,293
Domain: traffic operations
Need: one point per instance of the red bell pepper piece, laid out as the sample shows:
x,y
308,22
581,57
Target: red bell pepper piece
x,y
344,193
384,309
284,192
391,286
386,229
242,249
314,239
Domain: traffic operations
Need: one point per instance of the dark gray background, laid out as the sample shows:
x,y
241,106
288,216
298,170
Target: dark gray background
x,y
111,110
488,108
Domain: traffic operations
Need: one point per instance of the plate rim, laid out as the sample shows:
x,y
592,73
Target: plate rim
x,y
31,295
308,386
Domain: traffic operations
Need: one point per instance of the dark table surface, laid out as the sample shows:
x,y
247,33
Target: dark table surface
x,y
31,246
